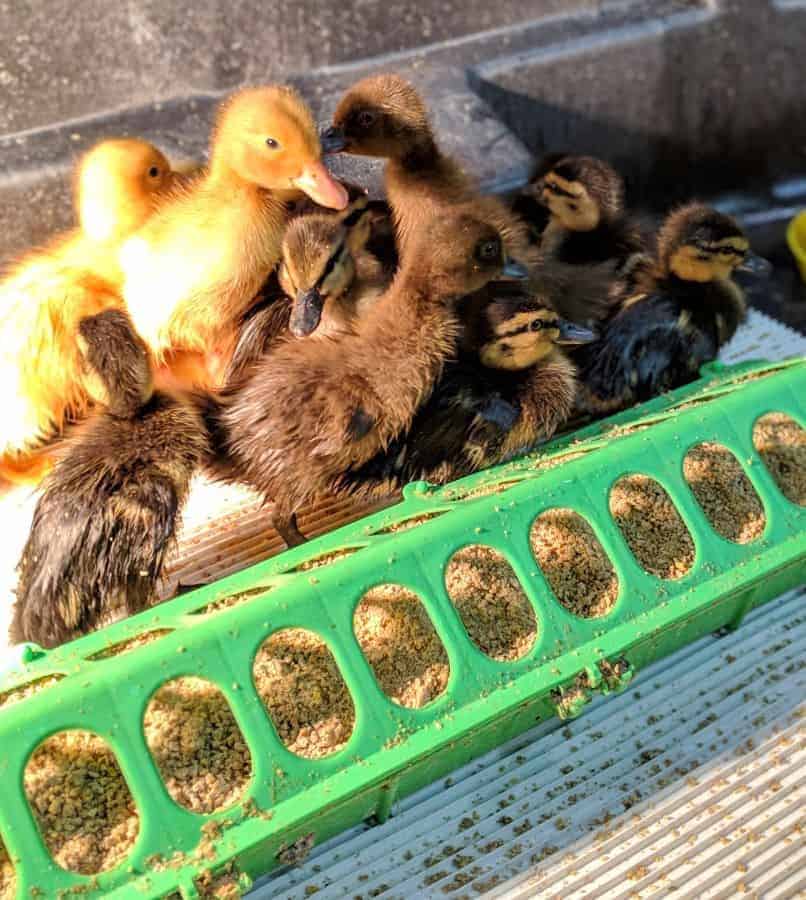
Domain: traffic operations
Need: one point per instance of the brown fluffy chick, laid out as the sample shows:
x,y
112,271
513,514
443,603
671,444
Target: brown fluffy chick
x,y
316,407
44,295
384,116
686,307
328,278
110,507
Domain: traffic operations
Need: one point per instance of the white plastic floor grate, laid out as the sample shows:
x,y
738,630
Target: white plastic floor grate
x,y
691,780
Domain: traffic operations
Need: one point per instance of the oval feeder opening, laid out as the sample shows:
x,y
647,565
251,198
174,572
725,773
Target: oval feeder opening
x,y
325,559
574,563
491,603
652,527
130,644
8,877
197,745
304,693
9,698
81,802
411,522
231,600
726,495
401,645
781,443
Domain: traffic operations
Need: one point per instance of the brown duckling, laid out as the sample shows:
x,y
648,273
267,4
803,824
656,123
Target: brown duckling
x,y
686,308
513,392
110,506
384,116
351,397
118,186
328,280
194,269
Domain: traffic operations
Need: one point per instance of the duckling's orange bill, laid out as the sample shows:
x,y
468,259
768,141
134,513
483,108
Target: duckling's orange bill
x,y
321,186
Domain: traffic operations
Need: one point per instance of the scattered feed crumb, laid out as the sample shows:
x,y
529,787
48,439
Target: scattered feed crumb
x,y
324,560
9,698
8,877
232,600
197,744
303,692
221,886
81,802
411,522
652,527
574,563
489,598
130,644
724,492
781,442
401,645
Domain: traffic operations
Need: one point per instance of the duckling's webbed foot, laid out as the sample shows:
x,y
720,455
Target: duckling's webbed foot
x,y
285,524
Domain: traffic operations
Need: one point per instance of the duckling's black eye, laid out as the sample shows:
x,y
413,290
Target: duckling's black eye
x,y
366,118
153,172
272,144
488,251
537,324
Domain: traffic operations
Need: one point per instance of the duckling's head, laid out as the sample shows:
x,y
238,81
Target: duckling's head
x,y
383,116
522,331
580,191
459,253
317,266
697,243
117,186
266,136
118,358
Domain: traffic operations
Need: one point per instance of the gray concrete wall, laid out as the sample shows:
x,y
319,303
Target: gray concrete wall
x,y
684,95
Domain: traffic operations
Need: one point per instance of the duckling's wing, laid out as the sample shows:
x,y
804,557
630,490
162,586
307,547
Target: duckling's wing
x,y
646,349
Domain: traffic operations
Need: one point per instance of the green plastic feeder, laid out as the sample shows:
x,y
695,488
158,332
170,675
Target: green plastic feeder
x,y
293,802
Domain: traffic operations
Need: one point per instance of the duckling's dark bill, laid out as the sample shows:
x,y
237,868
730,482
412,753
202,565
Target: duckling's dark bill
x,y
755,265
571,333
306,314
332,140
513,271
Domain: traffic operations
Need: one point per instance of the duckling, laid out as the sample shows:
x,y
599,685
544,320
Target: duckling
x,y
328,279
118,185
511,394
195,267
589,247
351,397
686,308
384,116
110,506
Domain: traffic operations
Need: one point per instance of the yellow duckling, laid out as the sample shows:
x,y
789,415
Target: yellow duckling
x,y
44,295
196,266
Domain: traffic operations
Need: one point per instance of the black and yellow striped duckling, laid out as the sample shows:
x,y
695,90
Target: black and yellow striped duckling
x,y
589,247
110,506
327,277
686,308
510,393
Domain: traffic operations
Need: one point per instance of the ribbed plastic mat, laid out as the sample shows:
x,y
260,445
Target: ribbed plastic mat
x,y
691,780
